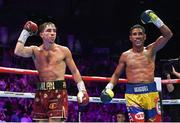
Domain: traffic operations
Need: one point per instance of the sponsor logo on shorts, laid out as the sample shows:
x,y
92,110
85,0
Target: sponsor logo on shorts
x,y
139,116
52,106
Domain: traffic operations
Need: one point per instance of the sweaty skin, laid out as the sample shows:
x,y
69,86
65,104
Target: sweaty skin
x,y
139,61
139,66
50,64
50,58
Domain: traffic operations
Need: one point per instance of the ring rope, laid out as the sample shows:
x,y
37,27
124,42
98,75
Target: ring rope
x,y
67,76
74,98
85,78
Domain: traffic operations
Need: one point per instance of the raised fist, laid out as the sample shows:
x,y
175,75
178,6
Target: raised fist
x,y
31,27
83,98
149,16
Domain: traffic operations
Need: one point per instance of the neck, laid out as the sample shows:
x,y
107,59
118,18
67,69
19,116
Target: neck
x,y
48,46
135,49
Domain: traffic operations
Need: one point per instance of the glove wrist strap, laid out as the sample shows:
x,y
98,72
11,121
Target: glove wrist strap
x,y
159,23
81,86
23,36
109,86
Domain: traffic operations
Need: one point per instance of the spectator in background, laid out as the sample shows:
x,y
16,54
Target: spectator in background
x,y
174,72
120,117
174,90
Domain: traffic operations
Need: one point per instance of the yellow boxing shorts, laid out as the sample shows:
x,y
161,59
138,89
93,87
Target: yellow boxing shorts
x,y
142,101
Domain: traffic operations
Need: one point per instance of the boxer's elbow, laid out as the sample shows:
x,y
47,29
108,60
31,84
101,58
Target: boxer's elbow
x,y
169,35
19,49
166,33
17,52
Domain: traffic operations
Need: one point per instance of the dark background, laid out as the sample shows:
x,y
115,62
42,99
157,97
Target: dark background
x,y
96,23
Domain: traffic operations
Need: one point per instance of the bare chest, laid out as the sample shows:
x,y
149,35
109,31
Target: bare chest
x,y
139,60
49,57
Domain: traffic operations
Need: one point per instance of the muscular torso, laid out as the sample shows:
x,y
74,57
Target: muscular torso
x,y
139,66
50,63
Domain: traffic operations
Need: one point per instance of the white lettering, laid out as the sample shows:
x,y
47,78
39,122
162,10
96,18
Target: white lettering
x,y
141,89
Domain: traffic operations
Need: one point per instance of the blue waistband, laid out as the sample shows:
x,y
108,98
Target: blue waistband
x,y
140,88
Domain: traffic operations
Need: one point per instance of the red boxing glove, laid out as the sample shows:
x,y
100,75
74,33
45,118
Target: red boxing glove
x,y
31,27
83,98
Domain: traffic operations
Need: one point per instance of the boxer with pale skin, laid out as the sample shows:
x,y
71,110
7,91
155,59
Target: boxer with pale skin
x,y
51,60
